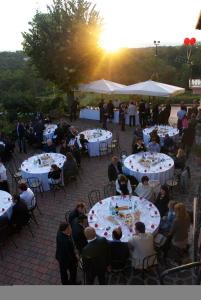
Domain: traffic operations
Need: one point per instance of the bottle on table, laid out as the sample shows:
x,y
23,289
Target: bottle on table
x,y
116,209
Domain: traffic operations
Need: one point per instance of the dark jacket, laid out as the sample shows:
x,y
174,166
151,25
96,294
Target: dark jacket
x,y
54,174
20,131
65,251
70,168
20,215
112,172
162,204
138,148
78,235
49,149
96,256
73,214
119,252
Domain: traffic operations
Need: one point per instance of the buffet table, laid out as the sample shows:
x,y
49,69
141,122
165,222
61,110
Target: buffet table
x,y
95,137
130,211
161,131
39,166
157,166
93,113
5,204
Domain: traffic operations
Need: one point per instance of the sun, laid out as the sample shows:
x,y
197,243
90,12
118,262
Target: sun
x,y
110,41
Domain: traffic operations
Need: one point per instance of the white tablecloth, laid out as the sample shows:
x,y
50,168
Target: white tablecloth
x,y
6,204
94,114
162,171
97,216
29,169
94,142
48,133
162,131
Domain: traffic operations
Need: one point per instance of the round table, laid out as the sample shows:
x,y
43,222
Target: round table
x,y
162,131
31,167
157,166
136,209
6,204
95,137
48,133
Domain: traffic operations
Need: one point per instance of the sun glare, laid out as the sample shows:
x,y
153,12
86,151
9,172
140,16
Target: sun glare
x,y
110,41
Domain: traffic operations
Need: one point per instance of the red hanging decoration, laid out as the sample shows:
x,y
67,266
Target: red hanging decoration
x,y
186,41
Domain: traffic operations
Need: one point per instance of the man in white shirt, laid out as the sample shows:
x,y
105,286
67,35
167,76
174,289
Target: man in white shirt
x,y
27,195
144,189
3,178
123,186
141,245
132,111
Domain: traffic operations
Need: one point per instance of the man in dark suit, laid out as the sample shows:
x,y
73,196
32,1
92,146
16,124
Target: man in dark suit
x,y
21,134
78,226
80,209
20,214
66,254
96,257
119,250
138,146
49,147
114,169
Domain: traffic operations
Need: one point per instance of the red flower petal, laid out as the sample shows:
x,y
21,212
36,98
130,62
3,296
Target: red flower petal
x,y
152,226
105,233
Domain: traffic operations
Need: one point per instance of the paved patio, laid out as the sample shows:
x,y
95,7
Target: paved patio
x,y
33,262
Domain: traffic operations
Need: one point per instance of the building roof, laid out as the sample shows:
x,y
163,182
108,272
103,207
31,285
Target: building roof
x,y
198,25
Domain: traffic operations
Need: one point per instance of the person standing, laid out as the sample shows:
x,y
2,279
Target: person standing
x,y
66,254
95,256
142,110
74,108
101,110
105,116
122,116
110,110
3,178
21,133
132,111
155,114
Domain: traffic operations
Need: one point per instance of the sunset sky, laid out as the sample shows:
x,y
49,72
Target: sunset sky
x,y
127,23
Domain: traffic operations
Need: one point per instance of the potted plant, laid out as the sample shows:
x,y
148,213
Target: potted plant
x,y
197,152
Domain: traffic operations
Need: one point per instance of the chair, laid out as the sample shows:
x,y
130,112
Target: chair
x,y
5,233
56,186
34,206
109,190
35,185
123,153
172,183
93,197
103,148
113,146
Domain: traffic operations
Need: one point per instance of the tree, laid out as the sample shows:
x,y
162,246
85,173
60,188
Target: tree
x,y
63,43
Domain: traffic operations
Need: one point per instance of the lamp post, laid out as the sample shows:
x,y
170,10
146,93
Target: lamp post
x,y
156,44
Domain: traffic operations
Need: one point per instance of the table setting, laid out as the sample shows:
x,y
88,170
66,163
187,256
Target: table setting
x,y
5,204
48,133
40,165
95,137
157,166
162,130
123,211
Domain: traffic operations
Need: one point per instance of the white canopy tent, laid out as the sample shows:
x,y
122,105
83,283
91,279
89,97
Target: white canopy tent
x,y
151,88
101,86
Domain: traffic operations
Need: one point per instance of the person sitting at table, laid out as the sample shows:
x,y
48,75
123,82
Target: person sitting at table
x,y
76,154
3,178
79,210
180,159
64,149
154,136
83,142
123,186
49,147
141,245
144,189
78,225
138,146
70,168
168,144
153,146
166,221
27,195
54,176
119,250
162,200
114,169
20,213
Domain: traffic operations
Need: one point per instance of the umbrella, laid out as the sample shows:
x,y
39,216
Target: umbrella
x,y
101,86
151,88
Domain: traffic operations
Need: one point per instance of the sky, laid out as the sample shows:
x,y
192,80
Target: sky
x,y
127,23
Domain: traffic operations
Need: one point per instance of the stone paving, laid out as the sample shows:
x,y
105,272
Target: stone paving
x,y
33,262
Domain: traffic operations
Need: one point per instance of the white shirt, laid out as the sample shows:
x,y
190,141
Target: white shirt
x,y
3,175
141,245
145,191
128,186
28,197
132,110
